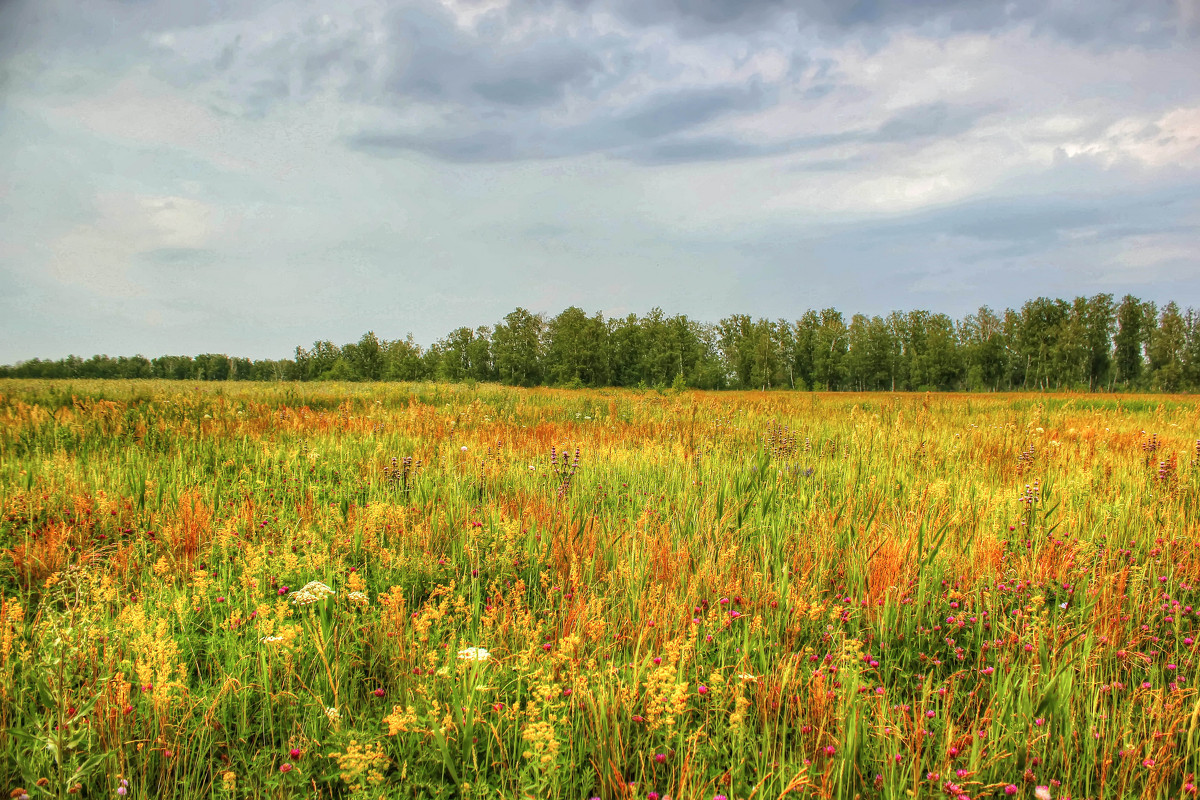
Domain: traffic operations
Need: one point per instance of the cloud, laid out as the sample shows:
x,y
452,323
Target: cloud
x,y
926,121
283,172
1101,22
649,119
97,256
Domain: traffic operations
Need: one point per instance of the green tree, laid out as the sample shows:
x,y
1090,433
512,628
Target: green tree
x,y
943,360
517,347
1168,343
1131,337
312,364
212,367
984,350
737,350
577,349
1039,339
1191,350
858,358
805,343
830,345
1101,323
405,360
366,358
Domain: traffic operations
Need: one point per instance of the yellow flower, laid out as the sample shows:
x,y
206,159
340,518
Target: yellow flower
x,y
362,765
401,720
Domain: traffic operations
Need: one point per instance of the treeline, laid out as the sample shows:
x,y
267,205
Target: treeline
x,y
1093,344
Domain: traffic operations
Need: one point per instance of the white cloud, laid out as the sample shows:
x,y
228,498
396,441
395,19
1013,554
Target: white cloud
x,y
98,256
1171,141
228,135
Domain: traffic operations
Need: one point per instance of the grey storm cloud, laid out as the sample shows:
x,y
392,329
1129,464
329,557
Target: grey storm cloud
x,y
269,172
925,121
651,118
433,59
491,90
1099,21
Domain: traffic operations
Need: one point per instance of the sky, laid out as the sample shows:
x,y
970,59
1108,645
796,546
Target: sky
x,y
244,176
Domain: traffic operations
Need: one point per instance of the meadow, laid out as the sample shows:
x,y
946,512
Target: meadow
x,y
435,591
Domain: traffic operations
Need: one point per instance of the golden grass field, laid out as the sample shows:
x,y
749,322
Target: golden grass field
x,y
435,591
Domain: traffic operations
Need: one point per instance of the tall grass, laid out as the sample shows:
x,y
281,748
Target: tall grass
x,y
739,595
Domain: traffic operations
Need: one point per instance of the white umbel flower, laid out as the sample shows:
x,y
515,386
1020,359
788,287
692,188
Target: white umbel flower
x,y
333,714
358,599
474,654
310,593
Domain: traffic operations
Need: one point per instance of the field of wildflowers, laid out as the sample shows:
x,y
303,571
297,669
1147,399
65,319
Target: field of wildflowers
x,y
432,591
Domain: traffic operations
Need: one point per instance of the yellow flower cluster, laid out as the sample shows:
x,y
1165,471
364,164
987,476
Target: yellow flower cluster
x,y
665,696
362,765
401,720
12,614
156,654
539,735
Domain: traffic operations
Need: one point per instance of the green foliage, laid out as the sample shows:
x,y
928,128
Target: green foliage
x,y
1088,344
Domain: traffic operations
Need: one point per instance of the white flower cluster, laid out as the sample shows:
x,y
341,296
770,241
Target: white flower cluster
x,y
333,714
271,639
474,654
358,599
310,593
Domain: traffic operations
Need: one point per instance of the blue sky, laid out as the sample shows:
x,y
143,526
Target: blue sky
x,y
242,177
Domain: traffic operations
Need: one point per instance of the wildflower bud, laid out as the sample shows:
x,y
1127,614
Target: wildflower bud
x,y
294,752
285,768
